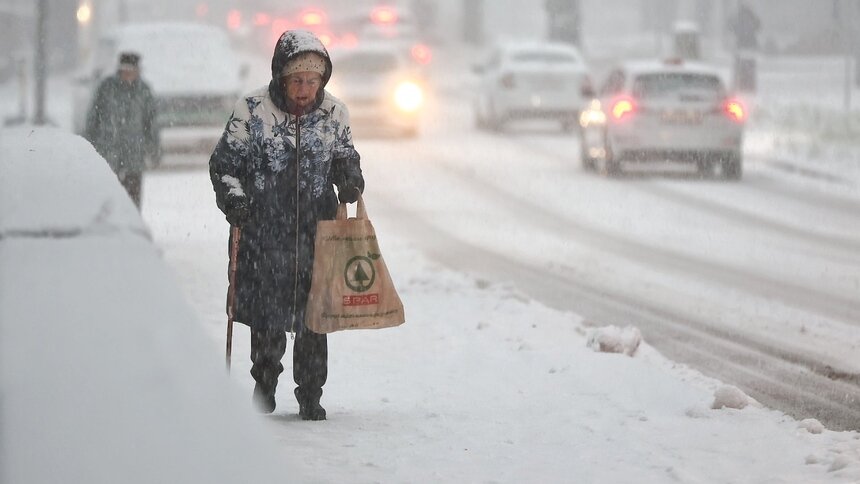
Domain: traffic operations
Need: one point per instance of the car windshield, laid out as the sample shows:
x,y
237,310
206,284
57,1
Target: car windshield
x,y
544,57
366,63
683,85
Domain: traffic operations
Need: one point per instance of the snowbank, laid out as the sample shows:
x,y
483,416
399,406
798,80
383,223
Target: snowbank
x,y
104,376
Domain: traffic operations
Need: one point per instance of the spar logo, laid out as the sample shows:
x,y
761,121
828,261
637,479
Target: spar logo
x,y
359,273
361,300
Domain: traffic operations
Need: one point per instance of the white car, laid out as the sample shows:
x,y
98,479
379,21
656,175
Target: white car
x,y
192,70
669,110
380,87
531,80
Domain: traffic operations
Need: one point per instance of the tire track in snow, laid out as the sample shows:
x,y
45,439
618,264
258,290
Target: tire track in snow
x,y
813,198
835,306
770,374
847,249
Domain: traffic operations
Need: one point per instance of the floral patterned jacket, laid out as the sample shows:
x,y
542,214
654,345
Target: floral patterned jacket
x,y
284,168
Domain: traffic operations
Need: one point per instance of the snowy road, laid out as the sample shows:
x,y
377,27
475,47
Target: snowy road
x,y
755,283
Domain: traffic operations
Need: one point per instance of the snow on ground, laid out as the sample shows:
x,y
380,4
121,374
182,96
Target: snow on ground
x,y
483,385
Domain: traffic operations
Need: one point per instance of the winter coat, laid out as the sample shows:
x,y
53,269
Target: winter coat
x,y
121,124
288,187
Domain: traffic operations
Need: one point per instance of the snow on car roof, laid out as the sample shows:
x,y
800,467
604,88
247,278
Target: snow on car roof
x,y
182,58
529,46
639,67
369,47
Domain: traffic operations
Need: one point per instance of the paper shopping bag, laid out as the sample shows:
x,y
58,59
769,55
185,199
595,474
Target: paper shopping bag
x,y
350,287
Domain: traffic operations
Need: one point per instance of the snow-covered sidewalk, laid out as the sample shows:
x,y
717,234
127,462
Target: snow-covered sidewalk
x,y
483,385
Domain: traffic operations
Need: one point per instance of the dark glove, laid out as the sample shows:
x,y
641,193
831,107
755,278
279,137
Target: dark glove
x,y
238,213
348,194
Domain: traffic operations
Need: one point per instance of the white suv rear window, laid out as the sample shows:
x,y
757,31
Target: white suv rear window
x,y
674,84
366,64
544,58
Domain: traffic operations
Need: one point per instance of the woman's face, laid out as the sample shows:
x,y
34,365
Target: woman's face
x,y
302,88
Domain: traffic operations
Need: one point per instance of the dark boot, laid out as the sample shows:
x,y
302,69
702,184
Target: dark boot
x,y
309,405
264,398
267,349
310,370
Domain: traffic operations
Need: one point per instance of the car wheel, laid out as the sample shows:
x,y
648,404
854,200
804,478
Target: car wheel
x,y
588,163
705,168
480,123
410,132
495,121
569,126
611,163
732,167
480,120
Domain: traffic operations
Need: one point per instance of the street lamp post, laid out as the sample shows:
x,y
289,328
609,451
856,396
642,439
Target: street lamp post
x,y
40,62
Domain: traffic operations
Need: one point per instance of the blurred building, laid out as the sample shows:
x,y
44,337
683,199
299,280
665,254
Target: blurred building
x,y
18,38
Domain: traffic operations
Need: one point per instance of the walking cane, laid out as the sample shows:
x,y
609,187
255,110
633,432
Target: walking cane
x,y
235,233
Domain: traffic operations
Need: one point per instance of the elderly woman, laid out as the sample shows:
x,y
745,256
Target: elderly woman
x,y
285,148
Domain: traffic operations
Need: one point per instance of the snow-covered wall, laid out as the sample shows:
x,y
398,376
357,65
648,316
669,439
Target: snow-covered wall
x,y
104,375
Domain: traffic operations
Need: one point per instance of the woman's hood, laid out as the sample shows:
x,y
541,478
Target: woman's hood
x,y
291,44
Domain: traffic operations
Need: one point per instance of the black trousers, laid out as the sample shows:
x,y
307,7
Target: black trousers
x,y
132,182
310,362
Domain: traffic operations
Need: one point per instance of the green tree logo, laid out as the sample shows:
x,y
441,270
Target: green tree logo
x,y
360,273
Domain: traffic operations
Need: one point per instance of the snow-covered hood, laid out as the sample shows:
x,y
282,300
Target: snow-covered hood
x,y
291,44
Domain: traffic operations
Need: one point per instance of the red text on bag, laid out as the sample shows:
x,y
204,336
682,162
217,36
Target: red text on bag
x,y
362,300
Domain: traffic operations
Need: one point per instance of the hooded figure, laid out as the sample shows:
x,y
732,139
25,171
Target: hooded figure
x,y
284,149
121,124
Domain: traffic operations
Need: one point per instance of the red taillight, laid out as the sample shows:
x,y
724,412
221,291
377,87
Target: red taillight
x,y
348,40
507,81
234,19
278,27
735,110
262,19
383,15
326,39
312,17
421,53
622,108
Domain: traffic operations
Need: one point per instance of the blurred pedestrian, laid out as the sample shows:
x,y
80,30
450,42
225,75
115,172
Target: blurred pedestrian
x,y
121,124
284,149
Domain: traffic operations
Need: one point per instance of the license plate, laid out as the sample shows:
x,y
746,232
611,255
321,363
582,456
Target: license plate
x,y
681,117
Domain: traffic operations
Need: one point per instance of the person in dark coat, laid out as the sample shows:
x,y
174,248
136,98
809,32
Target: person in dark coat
x,y
121,124
284,149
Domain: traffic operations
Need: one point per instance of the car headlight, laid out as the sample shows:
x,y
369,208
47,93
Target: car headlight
x,y
408,97
593,114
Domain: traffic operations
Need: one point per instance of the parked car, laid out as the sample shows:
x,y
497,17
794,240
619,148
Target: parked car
x,y
380,87
192,70
664,110
531,80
